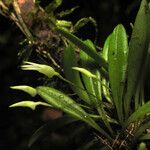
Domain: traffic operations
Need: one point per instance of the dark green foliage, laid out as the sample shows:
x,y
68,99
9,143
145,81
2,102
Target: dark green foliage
x,y
107,99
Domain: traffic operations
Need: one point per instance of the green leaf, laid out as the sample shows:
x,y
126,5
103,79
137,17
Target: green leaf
x,y
66,12
93,84
109,119
90,78
70,61
28,89
145,137
105,83
53,6
63,23
29,104
138,47
146,68
65,103
50,126
117,60
106,47
41,68
141,129
44,69
139,114
87,49
85,72
97,84
83,21
142,146
137,98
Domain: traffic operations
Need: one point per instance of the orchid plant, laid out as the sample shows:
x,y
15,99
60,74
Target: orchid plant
x,y
110,84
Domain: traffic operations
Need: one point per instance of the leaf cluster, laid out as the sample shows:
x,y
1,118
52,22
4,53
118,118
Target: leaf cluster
x,y
110,84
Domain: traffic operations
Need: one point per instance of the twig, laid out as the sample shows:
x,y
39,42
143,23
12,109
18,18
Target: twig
x,y
5,12
48,55
24,27
103,141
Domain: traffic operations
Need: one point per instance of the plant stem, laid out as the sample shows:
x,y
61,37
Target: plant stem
x,y
19,17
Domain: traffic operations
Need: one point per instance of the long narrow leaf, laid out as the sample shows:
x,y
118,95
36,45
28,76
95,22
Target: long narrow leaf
x,y
28,89
117,60
105,83
85,72
66,12
93,83
88,63
41,68
138,47
65,103
29,104
53,6
70,61
139,113
79,43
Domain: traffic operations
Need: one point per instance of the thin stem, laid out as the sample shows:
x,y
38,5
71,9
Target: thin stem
x,y
24,27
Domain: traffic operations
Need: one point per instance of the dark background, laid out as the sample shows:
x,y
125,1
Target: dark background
x,y
17,125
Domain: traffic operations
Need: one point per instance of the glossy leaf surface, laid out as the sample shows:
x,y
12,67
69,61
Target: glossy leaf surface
x,y
105,83
85,72
28,89
138,47
41,68
68,105
29,104
89,82
117,60
93,84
